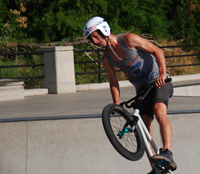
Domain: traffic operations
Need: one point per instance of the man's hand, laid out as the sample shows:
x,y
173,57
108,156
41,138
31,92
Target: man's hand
x,y
160,80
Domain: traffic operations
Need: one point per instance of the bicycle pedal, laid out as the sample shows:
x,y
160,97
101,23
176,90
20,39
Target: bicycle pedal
x,y
163,170
163,163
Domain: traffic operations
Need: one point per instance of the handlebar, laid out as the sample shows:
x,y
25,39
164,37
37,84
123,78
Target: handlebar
x,y
152,82
150,85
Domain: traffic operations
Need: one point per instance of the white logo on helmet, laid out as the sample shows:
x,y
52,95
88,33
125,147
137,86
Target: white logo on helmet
x,y
98,23
105,29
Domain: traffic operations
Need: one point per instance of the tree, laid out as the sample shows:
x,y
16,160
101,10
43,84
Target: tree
x,y
56,20
194,18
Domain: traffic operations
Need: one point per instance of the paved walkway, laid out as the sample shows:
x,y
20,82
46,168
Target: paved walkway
x,y
80,103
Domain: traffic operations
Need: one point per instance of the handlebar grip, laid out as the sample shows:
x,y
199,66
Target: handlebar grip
x,y
152,82
168,80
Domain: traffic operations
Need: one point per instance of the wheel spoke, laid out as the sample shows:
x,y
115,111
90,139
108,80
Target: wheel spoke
x,y
128,140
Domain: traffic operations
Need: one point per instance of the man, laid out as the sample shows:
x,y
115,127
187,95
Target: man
x,y
141,61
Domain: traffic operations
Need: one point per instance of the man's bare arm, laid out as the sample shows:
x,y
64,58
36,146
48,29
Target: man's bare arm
x,y
114,85
134,41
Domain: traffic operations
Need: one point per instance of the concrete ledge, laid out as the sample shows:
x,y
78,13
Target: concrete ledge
x,y
126,83
190,91
187,80
104,85
92,86
190,85
186,77
11,82
11,89
34,92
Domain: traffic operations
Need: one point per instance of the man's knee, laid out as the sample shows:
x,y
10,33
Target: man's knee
x,y
160,110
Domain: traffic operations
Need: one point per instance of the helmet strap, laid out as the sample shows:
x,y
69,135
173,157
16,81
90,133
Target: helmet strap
x,y
107,41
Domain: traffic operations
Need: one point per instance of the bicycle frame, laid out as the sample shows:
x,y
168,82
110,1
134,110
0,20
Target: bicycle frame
x,y
147,138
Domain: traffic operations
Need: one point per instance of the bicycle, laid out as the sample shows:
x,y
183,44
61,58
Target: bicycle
x,y
128,133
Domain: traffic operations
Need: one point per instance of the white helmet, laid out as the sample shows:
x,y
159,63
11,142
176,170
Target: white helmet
x,y
96,23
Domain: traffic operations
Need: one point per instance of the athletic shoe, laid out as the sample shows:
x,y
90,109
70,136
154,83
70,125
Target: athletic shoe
x,y
165,159
152,172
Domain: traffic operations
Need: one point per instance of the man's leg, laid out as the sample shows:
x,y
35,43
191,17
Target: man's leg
x,y
160,111
165,157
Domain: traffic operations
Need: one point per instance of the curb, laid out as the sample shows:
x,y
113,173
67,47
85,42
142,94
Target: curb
x,y
178,91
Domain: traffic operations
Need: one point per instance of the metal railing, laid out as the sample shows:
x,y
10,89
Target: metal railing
x,y
99,72
187,55
95,61
17,66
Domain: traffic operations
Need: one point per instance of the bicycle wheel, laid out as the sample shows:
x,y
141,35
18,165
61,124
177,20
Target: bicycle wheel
x,y
117,125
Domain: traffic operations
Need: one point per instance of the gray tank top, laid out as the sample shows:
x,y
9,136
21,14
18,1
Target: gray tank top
x,y
139,66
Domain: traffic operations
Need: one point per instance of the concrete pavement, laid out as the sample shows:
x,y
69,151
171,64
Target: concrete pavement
x,y
80,103
68,146
81,146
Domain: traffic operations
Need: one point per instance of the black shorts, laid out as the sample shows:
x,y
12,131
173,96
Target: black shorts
x,y
156,95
